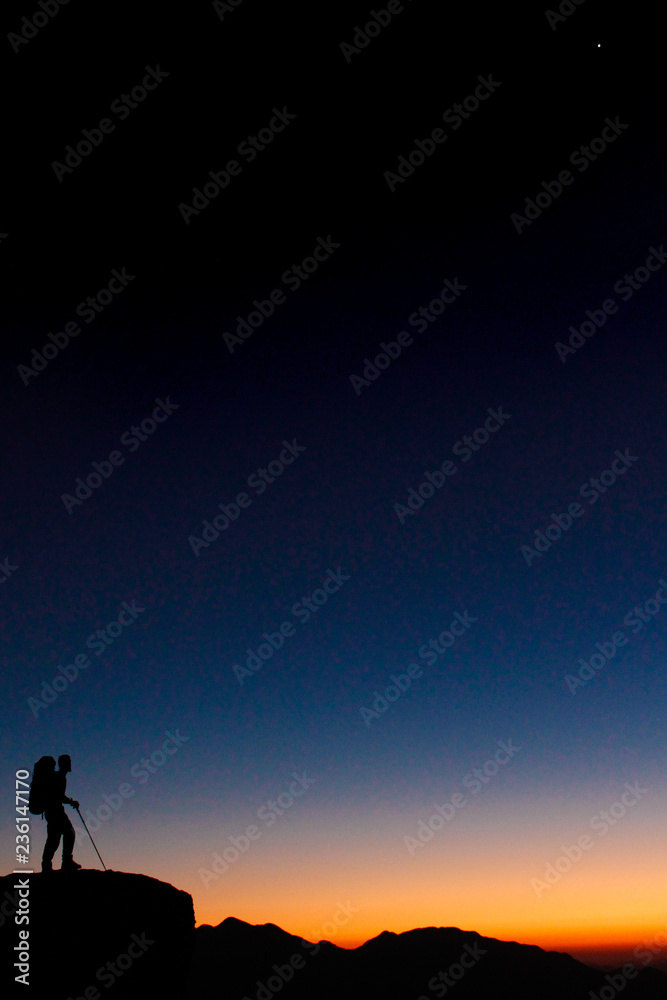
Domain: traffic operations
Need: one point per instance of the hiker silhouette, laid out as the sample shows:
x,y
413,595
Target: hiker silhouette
x,y
58,825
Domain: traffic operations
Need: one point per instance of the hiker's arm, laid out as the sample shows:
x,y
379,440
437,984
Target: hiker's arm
x,y
71,802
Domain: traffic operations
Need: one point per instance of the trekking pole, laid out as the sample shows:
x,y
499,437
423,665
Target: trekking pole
x,y
91,839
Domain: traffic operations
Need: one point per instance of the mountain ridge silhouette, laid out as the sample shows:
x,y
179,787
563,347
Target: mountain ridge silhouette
x,y
420,954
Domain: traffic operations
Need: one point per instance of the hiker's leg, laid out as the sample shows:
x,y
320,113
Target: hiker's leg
x,y
53,834
68,839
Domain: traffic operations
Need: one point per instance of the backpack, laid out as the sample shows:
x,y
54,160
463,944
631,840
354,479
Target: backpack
x,y
40,792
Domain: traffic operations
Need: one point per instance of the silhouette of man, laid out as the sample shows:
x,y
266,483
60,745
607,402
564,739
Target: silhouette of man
x,y
58,825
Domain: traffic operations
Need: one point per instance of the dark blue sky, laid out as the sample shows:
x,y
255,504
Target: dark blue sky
x,y
158,346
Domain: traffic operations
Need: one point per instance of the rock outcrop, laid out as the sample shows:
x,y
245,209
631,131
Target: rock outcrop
x,y
91,931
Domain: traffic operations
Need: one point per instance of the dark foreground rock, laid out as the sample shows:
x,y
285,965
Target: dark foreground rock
x,y
96,934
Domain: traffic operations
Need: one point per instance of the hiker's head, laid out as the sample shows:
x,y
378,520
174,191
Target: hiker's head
x,y
64,762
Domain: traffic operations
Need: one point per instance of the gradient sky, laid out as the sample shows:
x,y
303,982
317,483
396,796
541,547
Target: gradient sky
x,y
335,862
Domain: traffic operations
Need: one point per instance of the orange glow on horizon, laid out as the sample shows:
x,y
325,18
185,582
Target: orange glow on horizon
x,y
345,883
